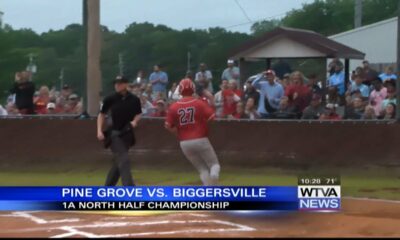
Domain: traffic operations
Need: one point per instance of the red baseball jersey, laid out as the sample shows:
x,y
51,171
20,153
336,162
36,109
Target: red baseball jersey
x,y
190,116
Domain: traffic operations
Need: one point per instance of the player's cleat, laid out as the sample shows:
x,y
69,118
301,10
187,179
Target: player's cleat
x,y
205,178
214,174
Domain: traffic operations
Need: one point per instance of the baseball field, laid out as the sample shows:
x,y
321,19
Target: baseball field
x,y
370,207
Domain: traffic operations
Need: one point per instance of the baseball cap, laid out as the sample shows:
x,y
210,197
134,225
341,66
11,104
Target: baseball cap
x,y
270,71
121,79
160,102
287,75
66,86
73,96
230,61
330,106
51,105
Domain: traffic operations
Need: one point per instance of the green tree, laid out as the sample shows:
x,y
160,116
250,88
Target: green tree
x,y
330,17
261,27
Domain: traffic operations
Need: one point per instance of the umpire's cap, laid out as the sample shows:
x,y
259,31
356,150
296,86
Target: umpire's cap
x,y
121,79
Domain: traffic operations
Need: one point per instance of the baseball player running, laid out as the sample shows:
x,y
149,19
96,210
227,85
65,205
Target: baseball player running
x,y
187,118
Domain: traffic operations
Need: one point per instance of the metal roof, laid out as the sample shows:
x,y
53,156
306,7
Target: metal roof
x,y
328,47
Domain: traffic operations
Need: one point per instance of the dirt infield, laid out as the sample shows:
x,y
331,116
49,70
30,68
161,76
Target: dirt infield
x,y
358,218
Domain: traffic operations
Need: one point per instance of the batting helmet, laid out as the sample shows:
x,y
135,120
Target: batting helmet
x,y
186,87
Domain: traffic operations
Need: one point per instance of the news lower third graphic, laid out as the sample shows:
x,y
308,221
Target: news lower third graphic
x,y
311,194
319,193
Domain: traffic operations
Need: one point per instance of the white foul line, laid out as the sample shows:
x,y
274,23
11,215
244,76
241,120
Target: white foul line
x,y
198,215
372,200
30,217
72,230
39,220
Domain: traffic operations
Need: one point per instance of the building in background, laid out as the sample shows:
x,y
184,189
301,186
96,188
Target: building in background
x,y
378,41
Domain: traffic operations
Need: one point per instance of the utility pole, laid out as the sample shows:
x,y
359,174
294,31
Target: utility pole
x,y
188,60
32,68
85,55
398,65
121,64
93,72
358,13
1,19
61,77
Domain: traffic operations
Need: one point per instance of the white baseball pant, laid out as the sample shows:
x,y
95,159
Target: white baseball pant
x,y
202,155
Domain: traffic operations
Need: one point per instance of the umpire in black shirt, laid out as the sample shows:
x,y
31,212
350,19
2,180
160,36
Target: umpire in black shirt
x,y
125,111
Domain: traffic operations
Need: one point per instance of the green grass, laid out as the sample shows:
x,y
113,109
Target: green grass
x,y
373,182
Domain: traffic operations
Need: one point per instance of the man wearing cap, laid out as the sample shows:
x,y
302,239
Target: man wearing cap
x,y
271,93
231,72
51,108
125,111
74,105
63,98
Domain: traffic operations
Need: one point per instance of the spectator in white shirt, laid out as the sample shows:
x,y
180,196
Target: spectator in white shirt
x,y
147,107
218,99
204,78
3,111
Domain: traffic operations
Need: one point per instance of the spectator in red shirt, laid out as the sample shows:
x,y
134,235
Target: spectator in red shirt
x,y
299,94
330,113
42,100
158,96
230,99
234,87
160,110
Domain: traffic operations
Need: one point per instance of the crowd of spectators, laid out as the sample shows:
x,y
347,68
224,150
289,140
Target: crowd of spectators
x,y
368,95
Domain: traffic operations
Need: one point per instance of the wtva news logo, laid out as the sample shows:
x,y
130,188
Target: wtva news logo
x,y
319,198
